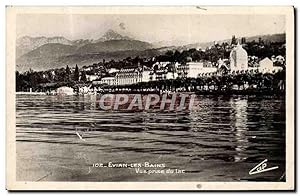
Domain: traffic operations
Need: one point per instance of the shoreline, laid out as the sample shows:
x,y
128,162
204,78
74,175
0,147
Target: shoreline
x,y
212,92
31,93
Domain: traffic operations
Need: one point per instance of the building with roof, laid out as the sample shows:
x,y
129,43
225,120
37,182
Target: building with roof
x,y
238,58
112,70
91,77
128,76
195,69
266,65
164,71
145,76
108,80
162,75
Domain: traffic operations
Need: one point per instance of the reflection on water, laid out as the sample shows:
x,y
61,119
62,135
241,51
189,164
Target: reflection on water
x,y
236,129
241,129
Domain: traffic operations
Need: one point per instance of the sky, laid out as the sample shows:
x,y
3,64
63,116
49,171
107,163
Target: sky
x,y
150,28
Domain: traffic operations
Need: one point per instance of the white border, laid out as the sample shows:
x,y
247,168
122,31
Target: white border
x,y
179,186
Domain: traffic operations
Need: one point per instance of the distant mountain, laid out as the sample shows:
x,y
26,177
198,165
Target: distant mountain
x,y
57,55
82,42
281,37
43,56
112,35
114,45
26,44
84,52
51,62
51,50
266,38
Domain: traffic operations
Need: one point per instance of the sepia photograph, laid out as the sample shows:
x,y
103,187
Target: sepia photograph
x,y
150,98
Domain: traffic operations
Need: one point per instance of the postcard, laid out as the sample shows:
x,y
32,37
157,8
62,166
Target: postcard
x,y
150,98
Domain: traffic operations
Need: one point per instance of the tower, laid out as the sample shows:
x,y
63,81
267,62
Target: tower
x,y
238,58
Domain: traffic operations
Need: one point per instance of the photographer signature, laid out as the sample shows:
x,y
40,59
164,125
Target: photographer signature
x,y
261,167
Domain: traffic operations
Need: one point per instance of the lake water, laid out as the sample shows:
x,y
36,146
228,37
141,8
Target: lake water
x,y
222,140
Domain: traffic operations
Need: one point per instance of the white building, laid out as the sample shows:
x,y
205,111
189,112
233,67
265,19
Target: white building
x,y
171,75
164,71
113,70
163,75
83,90
238,59
108,80
160,65
194,69
146,76
266,65
64,90
128,76
91,77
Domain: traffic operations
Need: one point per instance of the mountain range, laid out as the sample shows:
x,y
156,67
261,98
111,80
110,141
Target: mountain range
x,y
41,53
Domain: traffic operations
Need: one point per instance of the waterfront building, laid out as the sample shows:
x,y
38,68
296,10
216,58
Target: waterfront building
x,y
64,90
91,77
236,64
160,65
108,80
171,75
113,70
164,71
163,75
145,76
195,69
83,90
127,76
238,58
266,65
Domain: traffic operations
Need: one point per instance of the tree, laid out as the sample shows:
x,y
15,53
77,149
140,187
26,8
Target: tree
x,y
233,40
83,76
239,80
243,40
268,80
67,74
76,74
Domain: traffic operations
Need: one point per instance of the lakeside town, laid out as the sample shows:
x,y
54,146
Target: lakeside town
x,y
236,67
201,93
